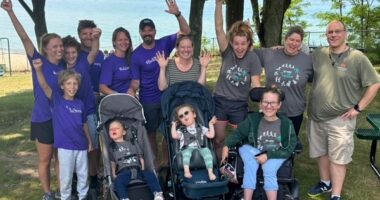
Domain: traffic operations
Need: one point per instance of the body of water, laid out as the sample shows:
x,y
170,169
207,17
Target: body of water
x,y
63,16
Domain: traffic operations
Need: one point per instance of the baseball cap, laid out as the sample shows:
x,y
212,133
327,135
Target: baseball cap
x,y
146,22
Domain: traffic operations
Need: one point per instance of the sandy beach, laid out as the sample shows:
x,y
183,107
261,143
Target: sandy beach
x,y
19,62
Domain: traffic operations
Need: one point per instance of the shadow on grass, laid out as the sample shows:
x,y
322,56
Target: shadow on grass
x,y
18,156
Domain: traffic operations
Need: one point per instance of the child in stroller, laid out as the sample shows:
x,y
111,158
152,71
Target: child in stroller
x,y
192,137
127,162
268,139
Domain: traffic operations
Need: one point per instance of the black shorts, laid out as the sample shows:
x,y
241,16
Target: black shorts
x,y
42,132
228,110
153,116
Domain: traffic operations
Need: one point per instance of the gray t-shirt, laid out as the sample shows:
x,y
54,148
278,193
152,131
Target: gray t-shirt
x,y
269,135
290,74
125,154
234,81
338,88
174,75
192,131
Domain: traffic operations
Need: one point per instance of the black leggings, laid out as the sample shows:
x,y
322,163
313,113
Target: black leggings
x,y
297,121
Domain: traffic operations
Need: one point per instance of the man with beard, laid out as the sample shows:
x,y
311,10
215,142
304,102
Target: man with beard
x,y
145,71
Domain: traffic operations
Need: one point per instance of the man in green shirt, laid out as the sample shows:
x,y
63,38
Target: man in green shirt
x,y
345,82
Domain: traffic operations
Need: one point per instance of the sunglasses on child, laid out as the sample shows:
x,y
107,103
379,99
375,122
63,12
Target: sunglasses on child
x,y
184,114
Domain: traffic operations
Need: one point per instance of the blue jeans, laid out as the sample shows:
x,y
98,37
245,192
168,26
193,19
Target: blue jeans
x,y
270,168
123,178
92,123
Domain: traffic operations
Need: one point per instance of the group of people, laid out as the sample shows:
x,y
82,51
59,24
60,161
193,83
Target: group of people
x,y
343,84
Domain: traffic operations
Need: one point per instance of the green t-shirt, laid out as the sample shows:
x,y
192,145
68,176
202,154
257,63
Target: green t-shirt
x,y
339,82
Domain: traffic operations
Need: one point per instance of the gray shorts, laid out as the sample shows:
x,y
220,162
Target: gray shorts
x,y
333,138
92,123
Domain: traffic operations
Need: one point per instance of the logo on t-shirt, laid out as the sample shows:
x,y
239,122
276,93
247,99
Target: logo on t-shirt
x,y
286,75
269,140
237,75
150,61
73,110
124,68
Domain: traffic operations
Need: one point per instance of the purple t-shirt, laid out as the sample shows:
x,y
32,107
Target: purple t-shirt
x,y
94,69
41,111
85,92
116,74
146,69
68,119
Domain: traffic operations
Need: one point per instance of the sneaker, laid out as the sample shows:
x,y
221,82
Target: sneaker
x,y
319,189
336,198
48,196
57,195
158,196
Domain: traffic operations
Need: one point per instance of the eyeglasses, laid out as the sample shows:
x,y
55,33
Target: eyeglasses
x,y
270,103
184,114
335,31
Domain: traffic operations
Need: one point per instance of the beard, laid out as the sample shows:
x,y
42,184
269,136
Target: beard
x,y
148,39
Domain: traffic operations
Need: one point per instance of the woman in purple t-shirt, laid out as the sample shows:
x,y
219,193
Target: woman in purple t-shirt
x,y
41,123
116,69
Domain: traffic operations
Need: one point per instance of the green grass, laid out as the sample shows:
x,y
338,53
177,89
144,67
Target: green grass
x,y
18,157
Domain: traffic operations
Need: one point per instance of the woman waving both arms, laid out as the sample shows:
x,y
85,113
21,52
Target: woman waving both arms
x,y
184,67
240,71
41,120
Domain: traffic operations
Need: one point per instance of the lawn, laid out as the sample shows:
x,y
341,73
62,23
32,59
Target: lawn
x,y
18,157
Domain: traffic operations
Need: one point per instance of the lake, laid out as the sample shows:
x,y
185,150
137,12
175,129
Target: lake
x,y
63,15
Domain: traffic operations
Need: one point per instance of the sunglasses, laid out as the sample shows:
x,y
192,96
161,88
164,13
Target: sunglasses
x,y
184,114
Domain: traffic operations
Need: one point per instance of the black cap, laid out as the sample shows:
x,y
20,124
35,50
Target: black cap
x,y
146,22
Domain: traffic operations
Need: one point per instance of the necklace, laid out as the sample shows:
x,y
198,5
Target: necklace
x,y
334,61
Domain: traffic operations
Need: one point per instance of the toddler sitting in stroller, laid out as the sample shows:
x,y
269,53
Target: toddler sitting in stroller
x,y
192,136
127,162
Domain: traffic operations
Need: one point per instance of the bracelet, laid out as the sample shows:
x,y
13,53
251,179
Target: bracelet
x,y
178,14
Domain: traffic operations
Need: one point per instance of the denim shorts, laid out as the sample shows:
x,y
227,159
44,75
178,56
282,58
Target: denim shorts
x,y
153,116
42,132
92,123
229,110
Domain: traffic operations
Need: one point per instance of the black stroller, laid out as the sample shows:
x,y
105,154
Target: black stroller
x,y
128,109
199,186
288,184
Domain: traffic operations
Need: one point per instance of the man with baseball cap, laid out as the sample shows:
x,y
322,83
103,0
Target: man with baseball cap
x,y
145,71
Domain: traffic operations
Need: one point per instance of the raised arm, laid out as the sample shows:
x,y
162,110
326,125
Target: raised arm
x,y
220,34
211,130
174,132
204,60
96,32
37,64
184,28
28,44
163,62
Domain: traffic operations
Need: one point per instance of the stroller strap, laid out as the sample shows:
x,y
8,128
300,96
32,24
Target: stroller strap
x,y
189,138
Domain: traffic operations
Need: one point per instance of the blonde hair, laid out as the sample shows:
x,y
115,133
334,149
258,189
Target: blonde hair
x,y
45,39
242,29
67,74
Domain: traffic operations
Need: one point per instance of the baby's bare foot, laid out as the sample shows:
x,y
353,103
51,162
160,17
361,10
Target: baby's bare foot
x,y
211,176
188,175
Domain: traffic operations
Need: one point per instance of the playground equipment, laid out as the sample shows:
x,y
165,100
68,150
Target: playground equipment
x,y
2,61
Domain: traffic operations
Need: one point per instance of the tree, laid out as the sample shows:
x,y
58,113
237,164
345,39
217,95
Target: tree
x,y
293,14
38,17
234,11
269,26
196,16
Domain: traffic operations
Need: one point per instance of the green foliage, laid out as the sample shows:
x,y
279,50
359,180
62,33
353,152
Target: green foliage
x,y
293,15
363,22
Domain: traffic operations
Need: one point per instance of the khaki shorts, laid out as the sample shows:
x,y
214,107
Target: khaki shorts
x,y
333,138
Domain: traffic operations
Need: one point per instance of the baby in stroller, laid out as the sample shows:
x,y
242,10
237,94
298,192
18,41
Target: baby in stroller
x,y
127,162
192,136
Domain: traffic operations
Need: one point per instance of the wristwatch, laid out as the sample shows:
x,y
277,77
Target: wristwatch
x,y
178,14
356,107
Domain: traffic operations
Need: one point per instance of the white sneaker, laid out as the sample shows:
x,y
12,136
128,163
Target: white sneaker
x,y
158,196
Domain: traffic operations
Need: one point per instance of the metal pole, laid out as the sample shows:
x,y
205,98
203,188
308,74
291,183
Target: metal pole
x,y
9,55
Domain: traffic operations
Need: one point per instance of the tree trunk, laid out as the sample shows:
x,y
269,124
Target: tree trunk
x,y
38,17
234,12
269,29
196,16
